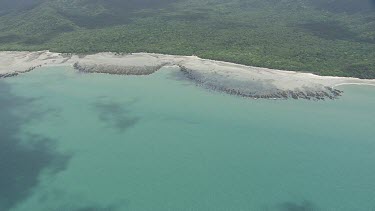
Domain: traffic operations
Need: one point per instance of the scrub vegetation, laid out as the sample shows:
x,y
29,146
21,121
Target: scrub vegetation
x,y
326,37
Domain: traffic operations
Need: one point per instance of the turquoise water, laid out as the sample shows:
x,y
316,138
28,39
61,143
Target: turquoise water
x,y
96,142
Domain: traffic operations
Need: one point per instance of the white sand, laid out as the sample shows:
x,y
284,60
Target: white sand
x,y
206,71
13,62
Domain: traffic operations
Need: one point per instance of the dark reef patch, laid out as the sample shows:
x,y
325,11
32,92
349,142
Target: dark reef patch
x,y
293,206
115,115
99,208
64,200
23,157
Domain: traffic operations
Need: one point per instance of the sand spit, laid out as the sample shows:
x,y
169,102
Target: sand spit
x,y
246,81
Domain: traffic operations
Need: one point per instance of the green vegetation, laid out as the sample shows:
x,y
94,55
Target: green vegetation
x,y
327,37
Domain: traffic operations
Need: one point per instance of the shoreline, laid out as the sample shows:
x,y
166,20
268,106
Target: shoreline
x,y
231,78
358,84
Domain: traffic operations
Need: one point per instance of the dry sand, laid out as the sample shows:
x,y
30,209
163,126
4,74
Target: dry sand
x,y
231,78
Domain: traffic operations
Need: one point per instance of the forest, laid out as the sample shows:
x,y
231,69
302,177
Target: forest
x,y
325,37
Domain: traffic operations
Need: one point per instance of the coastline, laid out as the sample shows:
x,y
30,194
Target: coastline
x,y
235,79
359,84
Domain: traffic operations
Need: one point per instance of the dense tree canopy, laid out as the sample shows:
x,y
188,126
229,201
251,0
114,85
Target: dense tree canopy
x,y
328,37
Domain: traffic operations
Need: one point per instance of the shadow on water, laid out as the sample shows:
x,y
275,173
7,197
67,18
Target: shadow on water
x,y
22,160
116,115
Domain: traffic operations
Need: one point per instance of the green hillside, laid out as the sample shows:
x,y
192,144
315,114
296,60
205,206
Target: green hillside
x,y
327,37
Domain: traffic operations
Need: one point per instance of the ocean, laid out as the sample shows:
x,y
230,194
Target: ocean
x,y
100,142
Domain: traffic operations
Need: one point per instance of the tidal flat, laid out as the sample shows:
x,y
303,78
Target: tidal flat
x,y
230,78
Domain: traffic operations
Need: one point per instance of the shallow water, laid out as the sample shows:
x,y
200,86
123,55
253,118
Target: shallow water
x,y
85,142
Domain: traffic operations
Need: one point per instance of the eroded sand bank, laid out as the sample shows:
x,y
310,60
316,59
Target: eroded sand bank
x,y
227,77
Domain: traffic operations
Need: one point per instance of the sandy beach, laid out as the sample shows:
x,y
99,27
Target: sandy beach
x,y
227,77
